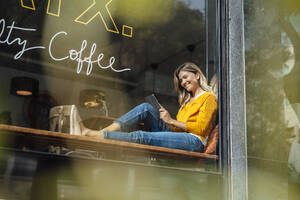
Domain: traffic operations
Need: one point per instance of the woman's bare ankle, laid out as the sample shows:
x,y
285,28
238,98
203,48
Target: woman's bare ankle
x,y
92,133
89,132
113,127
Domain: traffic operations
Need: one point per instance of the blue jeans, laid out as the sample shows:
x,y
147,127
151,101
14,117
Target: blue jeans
x,y
159,135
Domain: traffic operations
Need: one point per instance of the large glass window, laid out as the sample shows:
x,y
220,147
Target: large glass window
x,y
68,61
103,57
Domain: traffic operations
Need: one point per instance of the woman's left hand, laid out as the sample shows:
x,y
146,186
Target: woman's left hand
x,y
165,115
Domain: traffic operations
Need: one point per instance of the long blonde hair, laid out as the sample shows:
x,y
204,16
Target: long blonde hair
x,y
183,95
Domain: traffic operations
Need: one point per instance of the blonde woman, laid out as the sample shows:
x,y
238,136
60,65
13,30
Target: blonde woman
x,y
189,131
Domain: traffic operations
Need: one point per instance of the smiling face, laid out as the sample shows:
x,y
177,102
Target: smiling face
x,y
189,81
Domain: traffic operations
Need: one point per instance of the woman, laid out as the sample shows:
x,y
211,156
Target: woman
x,y
195,119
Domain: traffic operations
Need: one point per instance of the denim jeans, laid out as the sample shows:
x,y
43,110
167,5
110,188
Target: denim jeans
x,y
159,135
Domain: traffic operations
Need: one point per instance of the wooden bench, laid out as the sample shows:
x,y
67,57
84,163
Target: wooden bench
x,y
20,137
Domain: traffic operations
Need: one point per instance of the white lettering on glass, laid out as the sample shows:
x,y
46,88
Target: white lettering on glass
x,y
73,54
19,41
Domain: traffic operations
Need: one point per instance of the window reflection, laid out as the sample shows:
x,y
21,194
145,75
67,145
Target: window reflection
x,y
272,80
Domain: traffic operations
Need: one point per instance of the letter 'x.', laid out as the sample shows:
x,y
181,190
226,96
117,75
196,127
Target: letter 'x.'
x,y
97,8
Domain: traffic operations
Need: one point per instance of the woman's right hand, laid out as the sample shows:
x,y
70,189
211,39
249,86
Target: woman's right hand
x,y
165,115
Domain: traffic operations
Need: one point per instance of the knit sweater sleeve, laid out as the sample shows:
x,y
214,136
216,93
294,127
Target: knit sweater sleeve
x,y
205,118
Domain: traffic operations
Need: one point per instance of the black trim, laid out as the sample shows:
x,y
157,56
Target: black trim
x,y
224,118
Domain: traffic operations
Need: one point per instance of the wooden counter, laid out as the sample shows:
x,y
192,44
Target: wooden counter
x,y
28,138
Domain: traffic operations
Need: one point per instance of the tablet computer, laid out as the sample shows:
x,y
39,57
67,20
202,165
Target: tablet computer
x,y
151,99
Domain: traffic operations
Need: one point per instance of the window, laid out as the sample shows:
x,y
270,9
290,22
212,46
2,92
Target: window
x,y
68,61
98,59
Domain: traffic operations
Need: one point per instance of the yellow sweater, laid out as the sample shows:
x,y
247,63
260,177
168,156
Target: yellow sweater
x,y
199,115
